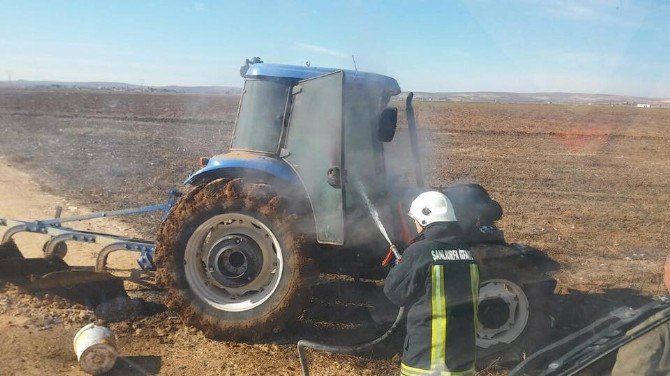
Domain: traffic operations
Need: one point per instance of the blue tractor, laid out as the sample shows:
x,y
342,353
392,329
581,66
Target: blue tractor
x,y
297,195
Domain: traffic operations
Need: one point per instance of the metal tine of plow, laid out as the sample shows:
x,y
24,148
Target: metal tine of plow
x,y
113,213
165,207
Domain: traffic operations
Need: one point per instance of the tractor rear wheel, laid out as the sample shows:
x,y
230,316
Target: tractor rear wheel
x,y
233,260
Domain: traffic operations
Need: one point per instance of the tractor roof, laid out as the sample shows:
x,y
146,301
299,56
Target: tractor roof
x,y
301,73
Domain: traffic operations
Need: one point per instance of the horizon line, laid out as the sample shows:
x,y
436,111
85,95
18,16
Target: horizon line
x,y
5,82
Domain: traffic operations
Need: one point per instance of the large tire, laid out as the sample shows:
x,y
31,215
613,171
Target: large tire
x,y
233,261
515,297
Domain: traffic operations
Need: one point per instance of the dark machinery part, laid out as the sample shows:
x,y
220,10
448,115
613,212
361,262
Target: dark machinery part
x,y
20,270
579,350
416,154
85,287
9,250
303,343
54,276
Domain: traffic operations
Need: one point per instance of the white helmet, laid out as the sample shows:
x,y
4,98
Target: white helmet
x,y
430,207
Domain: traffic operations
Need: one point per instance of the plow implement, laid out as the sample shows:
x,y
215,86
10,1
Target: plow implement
x,y
50,273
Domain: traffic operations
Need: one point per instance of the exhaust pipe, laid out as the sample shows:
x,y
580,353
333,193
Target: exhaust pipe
x,y
411,125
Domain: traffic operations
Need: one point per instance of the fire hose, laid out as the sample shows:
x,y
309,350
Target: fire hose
x,y
303,343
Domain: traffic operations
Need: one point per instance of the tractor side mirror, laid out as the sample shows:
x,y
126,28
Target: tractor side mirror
x,y
388,121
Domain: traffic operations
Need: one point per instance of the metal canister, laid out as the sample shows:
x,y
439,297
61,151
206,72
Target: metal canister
x,y
95,347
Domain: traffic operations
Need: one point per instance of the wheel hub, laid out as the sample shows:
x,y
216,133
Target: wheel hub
x,y
234,261
503,312
494,313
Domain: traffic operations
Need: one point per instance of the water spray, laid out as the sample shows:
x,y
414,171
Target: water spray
x,y
373,212
393,250
303,343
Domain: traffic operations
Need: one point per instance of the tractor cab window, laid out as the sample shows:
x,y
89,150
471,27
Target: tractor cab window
x,y
261,116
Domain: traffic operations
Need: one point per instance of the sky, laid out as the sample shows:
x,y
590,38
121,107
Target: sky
x,y
587,46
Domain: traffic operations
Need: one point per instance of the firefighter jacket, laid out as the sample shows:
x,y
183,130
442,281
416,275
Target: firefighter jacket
x,y
438,280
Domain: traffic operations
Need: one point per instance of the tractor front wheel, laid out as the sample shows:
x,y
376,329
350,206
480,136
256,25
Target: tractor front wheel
x,y
515,299
233,261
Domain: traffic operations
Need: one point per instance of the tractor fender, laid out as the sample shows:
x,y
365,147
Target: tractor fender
x,y
243,164
516,256
275,172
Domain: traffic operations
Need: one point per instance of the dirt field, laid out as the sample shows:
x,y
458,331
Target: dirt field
x,y
587,184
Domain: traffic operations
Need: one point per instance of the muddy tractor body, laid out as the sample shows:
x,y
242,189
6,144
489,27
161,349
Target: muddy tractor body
x,y
306,176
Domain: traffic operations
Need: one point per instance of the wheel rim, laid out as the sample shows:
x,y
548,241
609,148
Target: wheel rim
x,y
503,312
233,262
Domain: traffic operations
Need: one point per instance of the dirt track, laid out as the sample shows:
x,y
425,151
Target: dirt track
x,y
588,184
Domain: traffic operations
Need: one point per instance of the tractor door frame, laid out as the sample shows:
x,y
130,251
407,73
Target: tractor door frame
x,y
317,107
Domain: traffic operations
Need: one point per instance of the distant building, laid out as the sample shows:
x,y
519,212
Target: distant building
x,y
643,105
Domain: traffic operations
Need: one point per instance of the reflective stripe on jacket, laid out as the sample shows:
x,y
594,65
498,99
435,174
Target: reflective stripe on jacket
x,y
439,281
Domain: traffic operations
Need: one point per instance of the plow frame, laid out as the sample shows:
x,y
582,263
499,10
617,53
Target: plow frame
x,y
56,248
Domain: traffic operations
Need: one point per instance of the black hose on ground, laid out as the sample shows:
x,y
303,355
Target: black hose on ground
x,y
303,343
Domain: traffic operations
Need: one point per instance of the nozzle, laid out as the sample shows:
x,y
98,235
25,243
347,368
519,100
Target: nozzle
x,y
397,254
390,254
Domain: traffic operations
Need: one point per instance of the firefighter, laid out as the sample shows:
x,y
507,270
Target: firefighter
x,y
438,280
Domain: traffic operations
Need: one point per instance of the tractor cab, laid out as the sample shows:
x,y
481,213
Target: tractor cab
x,y
322,129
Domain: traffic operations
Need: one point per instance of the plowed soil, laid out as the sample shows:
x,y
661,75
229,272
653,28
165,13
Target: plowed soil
x,y
587,184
